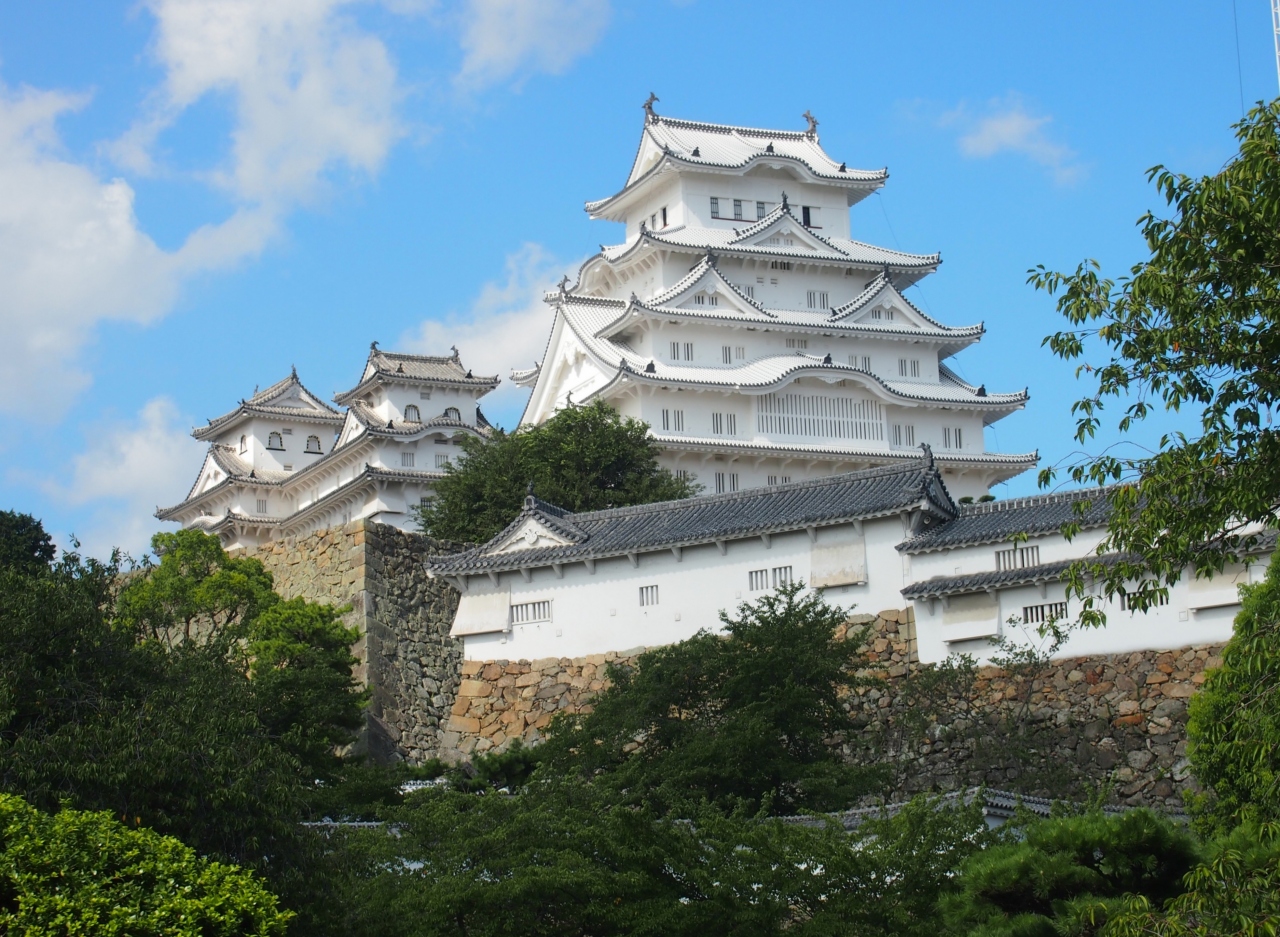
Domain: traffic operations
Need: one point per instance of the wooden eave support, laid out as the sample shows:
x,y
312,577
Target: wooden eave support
x,y
590,564
559,568
634,558
494,578
527,573
677,553
767,540
723,546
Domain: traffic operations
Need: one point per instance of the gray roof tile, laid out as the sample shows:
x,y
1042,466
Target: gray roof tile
x,y
997,521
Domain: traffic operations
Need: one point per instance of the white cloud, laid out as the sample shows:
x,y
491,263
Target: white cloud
x,y
507,327
502,38
124,470
1008,126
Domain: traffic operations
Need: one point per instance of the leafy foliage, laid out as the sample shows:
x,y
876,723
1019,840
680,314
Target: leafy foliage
x,y
1068,873
1234,721
85,873
583,458
747,719
24,545
1195,326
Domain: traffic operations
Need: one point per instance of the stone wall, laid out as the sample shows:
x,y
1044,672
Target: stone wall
x,y
1057,729
407,659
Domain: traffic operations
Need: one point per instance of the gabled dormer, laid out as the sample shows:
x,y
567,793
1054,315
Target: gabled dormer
x,y
781,230
706,290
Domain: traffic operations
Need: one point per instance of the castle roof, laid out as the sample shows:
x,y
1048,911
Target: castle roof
x,y
998,521
367,417
914,486
285,399
385,367
668,143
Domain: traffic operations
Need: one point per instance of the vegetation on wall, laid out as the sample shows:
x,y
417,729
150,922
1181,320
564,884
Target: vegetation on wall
x,y
583,459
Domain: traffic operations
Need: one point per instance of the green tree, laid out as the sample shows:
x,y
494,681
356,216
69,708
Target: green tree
x,y
583,458
1193,327
1234,721
755,717
1067,875
24,545
86,873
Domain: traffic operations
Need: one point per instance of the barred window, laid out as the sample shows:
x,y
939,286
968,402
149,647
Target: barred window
x,y
781,576
672,420
313,444
737,209
1126,606
951,438
724,424
648,595
1017,558
758,580
412,414
451,413
1039,614
527,612
715,207
726,481
442,460
904,435
406,460
262,505
275,441
797,343
908,367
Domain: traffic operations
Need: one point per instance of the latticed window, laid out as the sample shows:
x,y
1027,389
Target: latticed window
x,y
406,460
1017,558
412,414
441,460
1039,614
724,424
737,209
715,207
758,580
648,595
261,506
904,435
527,612
951,438
726,482
672,421
781,576
831,417
451,413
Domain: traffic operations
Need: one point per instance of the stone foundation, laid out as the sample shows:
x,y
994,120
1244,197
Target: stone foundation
x,y
1064,728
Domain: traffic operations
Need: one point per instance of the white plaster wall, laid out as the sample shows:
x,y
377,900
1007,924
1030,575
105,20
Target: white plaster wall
x,y
764,185
600,612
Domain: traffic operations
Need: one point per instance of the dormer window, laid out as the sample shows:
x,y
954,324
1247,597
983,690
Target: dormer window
x,y
451,413
313,444
275,441
244,444
412,414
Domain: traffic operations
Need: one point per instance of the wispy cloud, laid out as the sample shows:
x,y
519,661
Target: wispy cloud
x,y
504,39
125,469
1008,125
506,327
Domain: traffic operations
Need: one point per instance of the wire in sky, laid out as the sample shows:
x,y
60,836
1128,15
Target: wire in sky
x,y
1235,21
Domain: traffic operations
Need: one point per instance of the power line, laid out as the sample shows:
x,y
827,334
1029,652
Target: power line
x,y
1235,21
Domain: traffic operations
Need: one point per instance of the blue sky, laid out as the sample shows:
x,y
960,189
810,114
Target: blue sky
x,y
197,194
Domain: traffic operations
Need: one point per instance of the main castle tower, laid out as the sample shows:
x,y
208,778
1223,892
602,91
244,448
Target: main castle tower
x,y
761,343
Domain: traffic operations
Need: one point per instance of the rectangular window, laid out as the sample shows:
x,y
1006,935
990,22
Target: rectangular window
x,y
1124,601
809,216
648,595
820,415
406,460
262,505
860,361
737,209
683,475
739,352
441,460
760,212
664,216
715,207
713,300
424,395
758,580
527,612
951,438
1017,558
1039,614
773,281
675,351
724,424
908,367
673,421
903,435
779,480
781,576
688,351
817,299
287,431
779,265
797,343
700,299
726,481
726,354
750,290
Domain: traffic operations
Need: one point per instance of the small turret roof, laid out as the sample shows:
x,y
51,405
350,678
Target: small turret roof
x,y
386,367
286,399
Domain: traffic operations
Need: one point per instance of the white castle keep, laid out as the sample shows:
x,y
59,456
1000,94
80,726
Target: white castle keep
x,y
759,341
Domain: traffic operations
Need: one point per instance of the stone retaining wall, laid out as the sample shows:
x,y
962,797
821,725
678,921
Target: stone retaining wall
x,y
1057,729
407,658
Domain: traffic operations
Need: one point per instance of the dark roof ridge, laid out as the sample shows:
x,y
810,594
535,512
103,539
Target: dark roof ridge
x,y
1028,501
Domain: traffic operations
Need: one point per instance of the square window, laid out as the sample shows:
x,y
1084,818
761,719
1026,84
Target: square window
x,y
648,595
406,460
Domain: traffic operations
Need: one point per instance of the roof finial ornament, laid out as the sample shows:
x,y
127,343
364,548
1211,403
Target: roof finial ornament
x,y
784,201
813,122
697,152
454,349
648,106
769,148
529,488
711,258
563,284
373,346
928,457
293,371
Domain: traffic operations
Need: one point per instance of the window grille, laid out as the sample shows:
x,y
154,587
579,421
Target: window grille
x,y
750,291
424,395
903,436
726,482
797,343
648,595
760,212
781,576
406,460
275,441
740,352
688,351
1017,558
796,414
1125,606
758,580
527,612
715,207
817,299
441,460
860,361
724,424
683,474
726,354
700,299
779,265
313,444
412,414
713,300
262,505
673,420
451,413
288,468
779,479
908,367
951,438
1039,614
737,209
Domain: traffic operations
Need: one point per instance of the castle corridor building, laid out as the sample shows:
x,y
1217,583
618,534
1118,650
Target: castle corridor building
x,y
741,321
